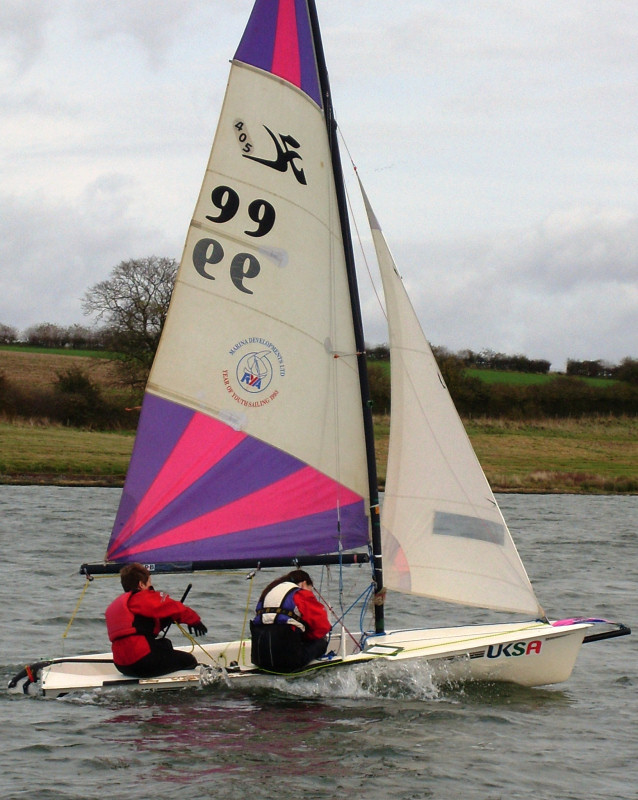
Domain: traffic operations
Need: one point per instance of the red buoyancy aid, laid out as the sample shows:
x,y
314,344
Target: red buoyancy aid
x,y
120,618
127,644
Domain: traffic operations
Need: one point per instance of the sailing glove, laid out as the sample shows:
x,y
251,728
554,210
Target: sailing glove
x,y
198,629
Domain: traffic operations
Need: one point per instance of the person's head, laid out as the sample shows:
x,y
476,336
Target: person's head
x,y
298,576
132,575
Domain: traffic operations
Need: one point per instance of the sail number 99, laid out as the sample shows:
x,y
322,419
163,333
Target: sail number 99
x,y
227,201
209,251
243,265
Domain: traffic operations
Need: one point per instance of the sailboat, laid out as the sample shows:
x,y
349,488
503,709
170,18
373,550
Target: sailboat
x,y
255,444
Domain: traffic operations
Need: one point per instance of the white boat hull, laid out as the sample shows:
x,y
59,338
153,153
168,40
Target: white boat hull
x,y
529,654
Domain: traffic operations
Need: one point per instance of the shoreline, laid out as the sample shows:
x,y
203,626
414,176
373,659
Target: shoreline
x,y
596,456
106,482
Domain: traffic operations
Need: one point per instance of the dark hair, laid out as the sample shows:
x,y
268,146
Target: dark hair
x,y
132,574
296,576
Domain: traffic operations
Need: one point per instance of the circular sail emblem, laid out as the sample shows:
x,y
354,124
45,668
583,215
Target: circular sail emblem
x,y
254,371
253,380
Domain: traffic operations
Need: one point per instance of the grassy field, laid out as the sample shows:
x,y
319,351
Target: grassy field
x,y
592,456
64,456
54,351
519,378
580,456
595,457
37,368
528,378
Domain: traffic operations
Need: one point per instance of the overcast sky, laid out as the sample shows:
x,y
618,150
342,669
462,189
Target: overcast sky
x,y
497,139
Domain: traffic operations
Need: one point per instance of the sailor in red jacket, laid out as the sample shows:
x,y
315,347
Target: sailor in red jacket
x,y
290,626
135,618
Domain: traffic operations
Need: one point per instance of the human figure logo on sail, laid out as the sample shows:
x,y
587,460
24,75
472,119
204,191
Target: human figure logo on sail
x,y
254,372
285,157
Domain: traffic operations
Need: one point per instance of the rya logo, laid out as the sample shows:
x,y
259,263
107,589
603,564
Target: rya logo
x,y
254,371
253,381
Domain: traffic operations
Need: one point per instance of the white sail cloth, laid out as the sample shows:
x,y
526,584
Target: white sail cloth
x,y
442,531
284,301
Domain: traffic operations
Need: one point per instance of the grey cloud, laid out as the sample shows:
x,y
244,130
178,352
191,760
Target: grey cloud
x,y
22,33
51,253
566,288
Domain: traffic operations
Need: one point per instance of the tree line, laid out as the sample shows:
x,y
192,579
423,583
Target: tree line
x,y
627,370
48,334
130,308
562,396
485,359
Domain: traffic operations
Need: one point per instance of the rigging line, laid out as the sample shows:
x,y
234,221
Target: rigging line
x,y
338,620
335,368
367,595
195,644
364,257
242,638
76,609
356,228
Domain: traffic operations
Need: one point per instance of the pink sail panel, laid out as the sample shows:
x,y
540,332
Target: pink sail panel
x,y
285,59
278,39
188,461
210,492
303,494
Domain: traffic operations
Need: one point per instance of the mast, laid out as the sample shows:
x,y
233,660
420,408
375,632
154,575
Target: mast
x,y
331,126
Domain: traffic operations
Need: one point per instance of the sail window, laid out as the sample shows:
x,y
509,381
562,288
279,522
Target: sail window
x,y
446,524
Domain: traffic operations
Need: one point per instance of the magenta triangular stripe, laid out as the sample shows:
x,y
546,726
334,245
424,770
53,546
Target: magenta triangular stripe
x,y
211,468
279,32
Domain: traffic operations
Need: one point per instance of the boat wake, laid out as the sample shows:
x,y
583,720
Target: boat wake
x,y
377,679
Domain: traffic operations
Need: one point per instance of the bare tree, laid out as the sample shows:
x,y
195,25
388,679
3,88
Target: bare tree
x,y
46,334
133,304
8,334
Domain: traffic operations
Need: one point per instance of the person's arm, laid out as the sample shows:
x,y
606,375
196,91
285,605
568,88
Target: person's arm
x,y
160,606
313,614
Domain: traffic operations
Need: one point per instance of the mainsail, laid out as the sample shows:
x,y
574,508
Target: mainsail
x,y
442,531
251,435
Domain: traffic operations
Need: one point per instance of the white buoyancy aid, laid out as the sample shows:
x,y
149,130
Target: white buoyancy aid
x,y
279,607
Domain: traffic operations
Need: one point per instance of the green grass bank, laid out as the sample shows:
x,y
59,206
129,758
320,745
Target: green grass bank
x,y
592,456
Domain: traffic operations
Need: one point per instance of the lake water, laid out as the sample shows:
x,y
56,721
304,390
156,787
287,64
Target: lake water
x,y
376,735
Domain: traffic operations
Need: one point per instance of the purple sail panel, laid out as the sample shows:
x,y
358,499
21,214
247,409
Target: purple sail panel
x,y
295,538
161,425
219,488
278,39
243,470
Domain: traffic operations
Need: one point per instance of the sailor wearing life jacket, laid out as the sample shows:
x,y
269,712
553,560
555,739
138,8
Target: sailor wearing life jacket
x,y
135,618
290,626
